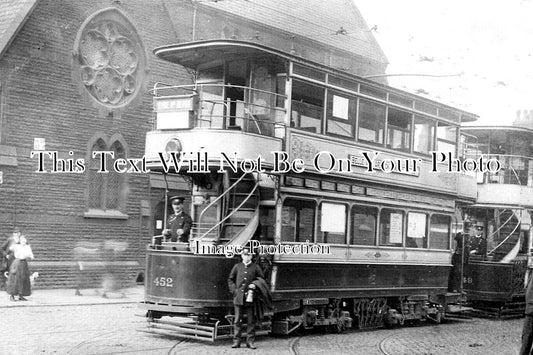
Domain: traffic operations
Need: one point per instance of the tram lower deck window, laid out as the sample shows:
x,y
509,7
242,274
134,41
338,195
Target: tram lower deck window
x,y
332,223
391,227
439,232
297,220
363,225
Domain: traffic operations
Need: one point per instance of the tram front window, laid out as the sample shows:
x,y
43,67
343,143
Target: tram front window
x,y
211,93
391,227
446,138
297,220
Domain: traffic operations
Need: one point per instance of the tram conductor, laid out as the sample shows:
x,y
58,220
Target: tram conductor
x,y
179,223
240,282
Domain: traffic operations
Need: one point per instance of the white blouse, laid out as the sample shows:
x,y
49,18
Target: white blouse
x,y
22,251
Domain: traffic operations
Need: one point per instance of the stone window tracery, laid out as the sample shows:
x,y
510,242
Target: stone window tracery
x,y
110,57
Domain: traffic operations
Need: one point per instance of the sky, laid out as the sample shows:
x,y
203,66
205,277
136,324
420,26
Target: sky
x,y
483,49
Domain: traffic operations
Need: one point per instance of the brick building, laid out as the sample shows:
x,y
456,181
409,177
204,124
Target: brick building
x,y
75,78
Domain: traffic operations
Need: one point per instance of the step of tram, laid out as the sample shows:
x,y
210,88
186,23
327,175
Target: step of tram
x,y
238,198
231,230
242,213
243,186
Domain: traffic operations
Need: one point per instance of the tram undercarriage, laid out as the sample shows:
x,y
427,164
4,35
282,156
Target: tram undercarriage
x,y
335,315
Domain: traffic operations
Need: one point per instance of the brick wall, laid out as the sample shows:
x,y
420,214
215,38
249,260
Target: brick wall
x,y
43,98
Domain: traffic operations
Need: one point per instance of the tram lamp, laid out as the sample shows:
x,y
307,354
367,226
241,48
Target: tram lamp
x,y
172,146
174,112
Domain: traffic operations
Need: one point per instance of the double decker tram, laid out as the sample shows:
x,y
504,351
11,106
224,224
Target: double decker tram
x,y
500,220
336,168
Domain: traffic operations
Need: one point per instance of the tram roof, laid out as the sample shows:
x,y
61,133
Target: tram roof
x,y
194,54
497,128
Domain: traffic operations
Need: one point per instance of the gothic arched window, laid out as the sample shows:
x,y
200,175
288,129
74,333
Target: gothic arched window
x,y
106,191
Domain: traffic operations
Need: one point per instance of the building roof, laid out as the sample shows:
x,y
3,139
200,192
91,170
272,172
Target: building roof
x,y
336,23
13,15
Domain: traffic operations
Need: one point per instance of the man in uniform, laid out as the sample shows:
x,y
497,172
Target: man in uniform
x,y
179,224
240,278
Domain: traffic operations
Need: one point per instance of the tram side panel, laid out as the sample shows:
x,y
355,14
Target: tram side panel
x,y
186,283
358,280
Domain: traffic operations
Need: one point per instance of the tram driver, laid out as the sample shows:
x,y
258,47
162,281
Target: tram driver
x,y
179,223
478,241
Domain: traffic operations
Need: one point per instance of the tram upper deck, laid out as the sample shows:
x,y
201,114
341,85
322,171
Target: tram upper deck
x,y
247,100
511,146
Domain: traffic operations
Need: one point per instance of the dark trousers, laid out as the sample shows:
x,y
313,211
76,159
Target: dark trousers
x,y
250,324
527,335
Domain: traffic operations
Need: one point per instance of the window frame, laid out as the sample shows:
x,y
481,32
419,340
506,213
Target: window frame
x,y
351,235
351,119
102,210
425,239
449,238
320,237
296,229
381,229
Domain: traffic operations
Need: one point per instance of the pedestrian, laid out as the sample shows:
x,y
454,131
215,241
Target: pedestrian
x,y
18,281
6,248
240,284
179,224
527,330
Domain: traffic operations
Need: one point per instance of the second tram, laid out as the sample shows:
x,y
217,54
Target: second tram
x,y
500,221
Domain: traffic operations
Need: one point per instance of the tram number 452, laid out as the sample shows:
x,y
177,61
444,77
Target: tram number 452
x,y
164,281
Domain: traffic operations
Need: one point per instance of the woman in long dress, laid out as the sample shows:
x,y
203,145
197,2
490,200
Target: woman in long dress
x,y
18,281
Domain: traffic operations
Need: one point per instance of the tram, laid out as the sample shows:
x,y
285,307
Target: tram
x,y
287,152
500,244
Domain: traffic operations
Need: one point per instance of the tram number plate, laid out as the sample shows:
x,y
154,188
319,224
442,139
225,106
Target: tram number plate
x,y
164,281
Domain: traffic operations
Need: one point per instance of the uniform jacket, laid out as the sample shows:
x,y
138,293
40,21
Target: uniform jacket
x,y
529,295
181,221
240,277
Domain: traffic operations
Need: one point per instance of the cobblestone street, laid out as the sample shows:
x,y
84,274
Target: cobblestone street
x,y
112,327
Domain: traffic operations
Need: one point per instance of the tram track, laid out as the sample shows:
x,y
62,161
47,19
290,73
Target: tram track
x,y
381,344
172,350
294,346
78,346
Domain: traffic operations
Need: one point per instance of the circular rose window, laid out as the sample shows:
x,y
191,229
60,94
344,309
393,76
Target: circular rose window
x,y
111,59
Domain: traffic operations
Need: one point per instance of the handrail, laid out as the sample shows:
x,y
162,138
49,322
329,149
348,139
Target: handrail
x,y
509,173
254,120
217,199
515,175
510,234
196,87
234,210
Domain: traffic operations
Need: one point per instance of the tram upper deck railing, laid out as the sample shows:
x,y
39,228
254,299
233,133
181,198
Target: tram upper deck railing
x,y
217,106
515,170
